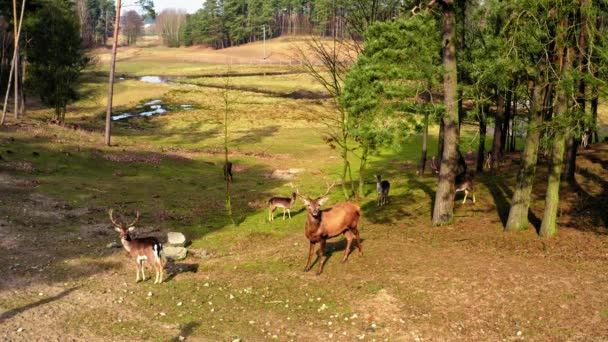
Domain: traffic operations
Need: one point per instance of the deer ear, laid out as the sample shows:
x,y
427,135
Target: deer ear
x,y
131,229
117,229
323,200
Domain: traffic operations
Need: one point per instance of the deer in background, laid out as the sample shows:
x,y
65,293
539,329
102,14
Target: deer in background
x,y
281,202
464,182
321,225
434,165
382,188
140,249
228,171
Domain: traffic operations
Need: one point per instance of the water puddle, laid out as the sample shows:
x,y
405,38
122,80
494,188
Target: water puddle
x,y
150,108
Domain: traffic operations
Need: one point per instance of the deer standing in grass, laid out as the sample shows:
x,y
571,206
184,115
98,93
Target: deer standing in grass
x,y
382,188
280,202
321,225
140,249
464,182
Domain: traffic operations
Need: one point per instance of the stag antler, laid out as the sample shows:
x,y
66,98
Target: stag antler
x,y
111,213
135,221
329,187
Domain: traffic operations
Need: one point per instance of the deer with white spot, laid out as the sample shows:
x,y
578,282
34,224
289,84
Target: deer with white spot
x,y
140,249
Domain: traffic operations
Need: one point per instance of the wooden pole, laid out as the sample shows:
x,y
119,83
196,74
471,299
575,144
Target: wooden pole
x,y
112,69
8,87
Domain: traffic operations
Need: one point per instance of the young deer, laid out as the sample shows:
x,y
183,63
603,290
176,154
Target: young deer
x,y
487,162
228,171
321,225
464,182
140,249
280,202
382,188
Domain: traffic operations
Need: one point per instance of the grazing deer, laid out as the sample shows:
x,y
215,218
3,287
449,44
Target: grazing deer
x,y
464,182
140,249
382,188
321,225
280,202
228,171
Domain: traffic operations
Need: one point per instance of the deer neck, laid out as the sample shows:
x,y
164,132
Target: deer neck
x,y
313,223
126,242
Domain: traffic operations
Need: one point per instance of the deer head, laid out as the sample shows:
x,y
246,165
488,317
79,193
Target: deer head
x,y
121,227
314,205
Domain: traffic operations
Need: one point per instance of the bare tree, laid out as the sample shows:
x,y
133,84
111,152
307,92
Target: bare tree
x,y
132,26
169,24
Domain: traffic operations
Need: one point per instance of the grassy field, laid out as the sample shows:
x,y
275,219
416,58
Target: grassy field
x,y
244,280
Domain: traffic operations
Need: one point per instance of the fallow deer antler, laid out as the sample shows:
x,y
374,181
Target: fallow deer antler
x,y
135,221
111,214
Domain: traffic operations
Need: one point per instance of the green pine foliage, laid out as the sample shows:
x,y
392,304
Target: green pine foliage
x,y
54,54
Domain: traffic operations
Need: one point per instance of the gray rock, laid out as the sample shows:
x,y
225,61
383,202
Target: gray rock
x,y
175,253
176,239
113,244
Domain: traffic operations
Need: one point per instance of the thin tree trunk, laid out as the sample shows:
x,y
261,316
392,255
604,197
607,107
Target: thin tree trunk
x,y
507,121
497,142
441,141
513,120
444,198
482,139
16,68
112,70
520,203
362,168
8,87
594,105
21,94
549,223
425,135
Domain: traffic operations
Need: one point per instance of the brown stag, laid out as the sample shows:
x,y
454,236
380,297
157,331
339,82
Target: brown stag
x,y
321,225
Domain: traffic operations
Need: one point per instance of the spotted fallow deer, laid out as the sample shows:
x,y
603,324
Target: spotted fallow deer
x,y
141,249
321,225
280,202
464,182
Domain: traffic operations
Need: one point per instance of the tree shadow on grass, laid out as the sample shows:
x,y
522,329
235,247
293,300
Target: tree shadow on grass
x,y
11,313
590,208
502,194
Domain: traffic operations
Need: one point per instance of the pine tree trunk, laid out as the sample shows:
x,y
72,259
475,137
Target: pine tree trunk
x,y
440,142
362,168
497,142
520,203
548,226
444,198
507,120
482,141
425,135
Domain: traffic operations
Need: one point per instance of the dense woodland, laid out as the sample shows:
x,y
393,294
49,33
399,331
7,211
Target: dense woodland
x,y
536,65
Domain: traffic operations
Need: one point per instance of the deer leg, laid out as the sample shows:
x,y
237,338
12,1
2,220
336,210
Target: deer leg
x,y
143,274
137,277
356,231
310,252
283,213
289,213
466,192
473,197
349,238
321,256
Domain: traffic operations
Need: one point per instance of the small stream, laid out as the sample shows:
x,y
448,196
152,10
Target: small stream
x,y
154,107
